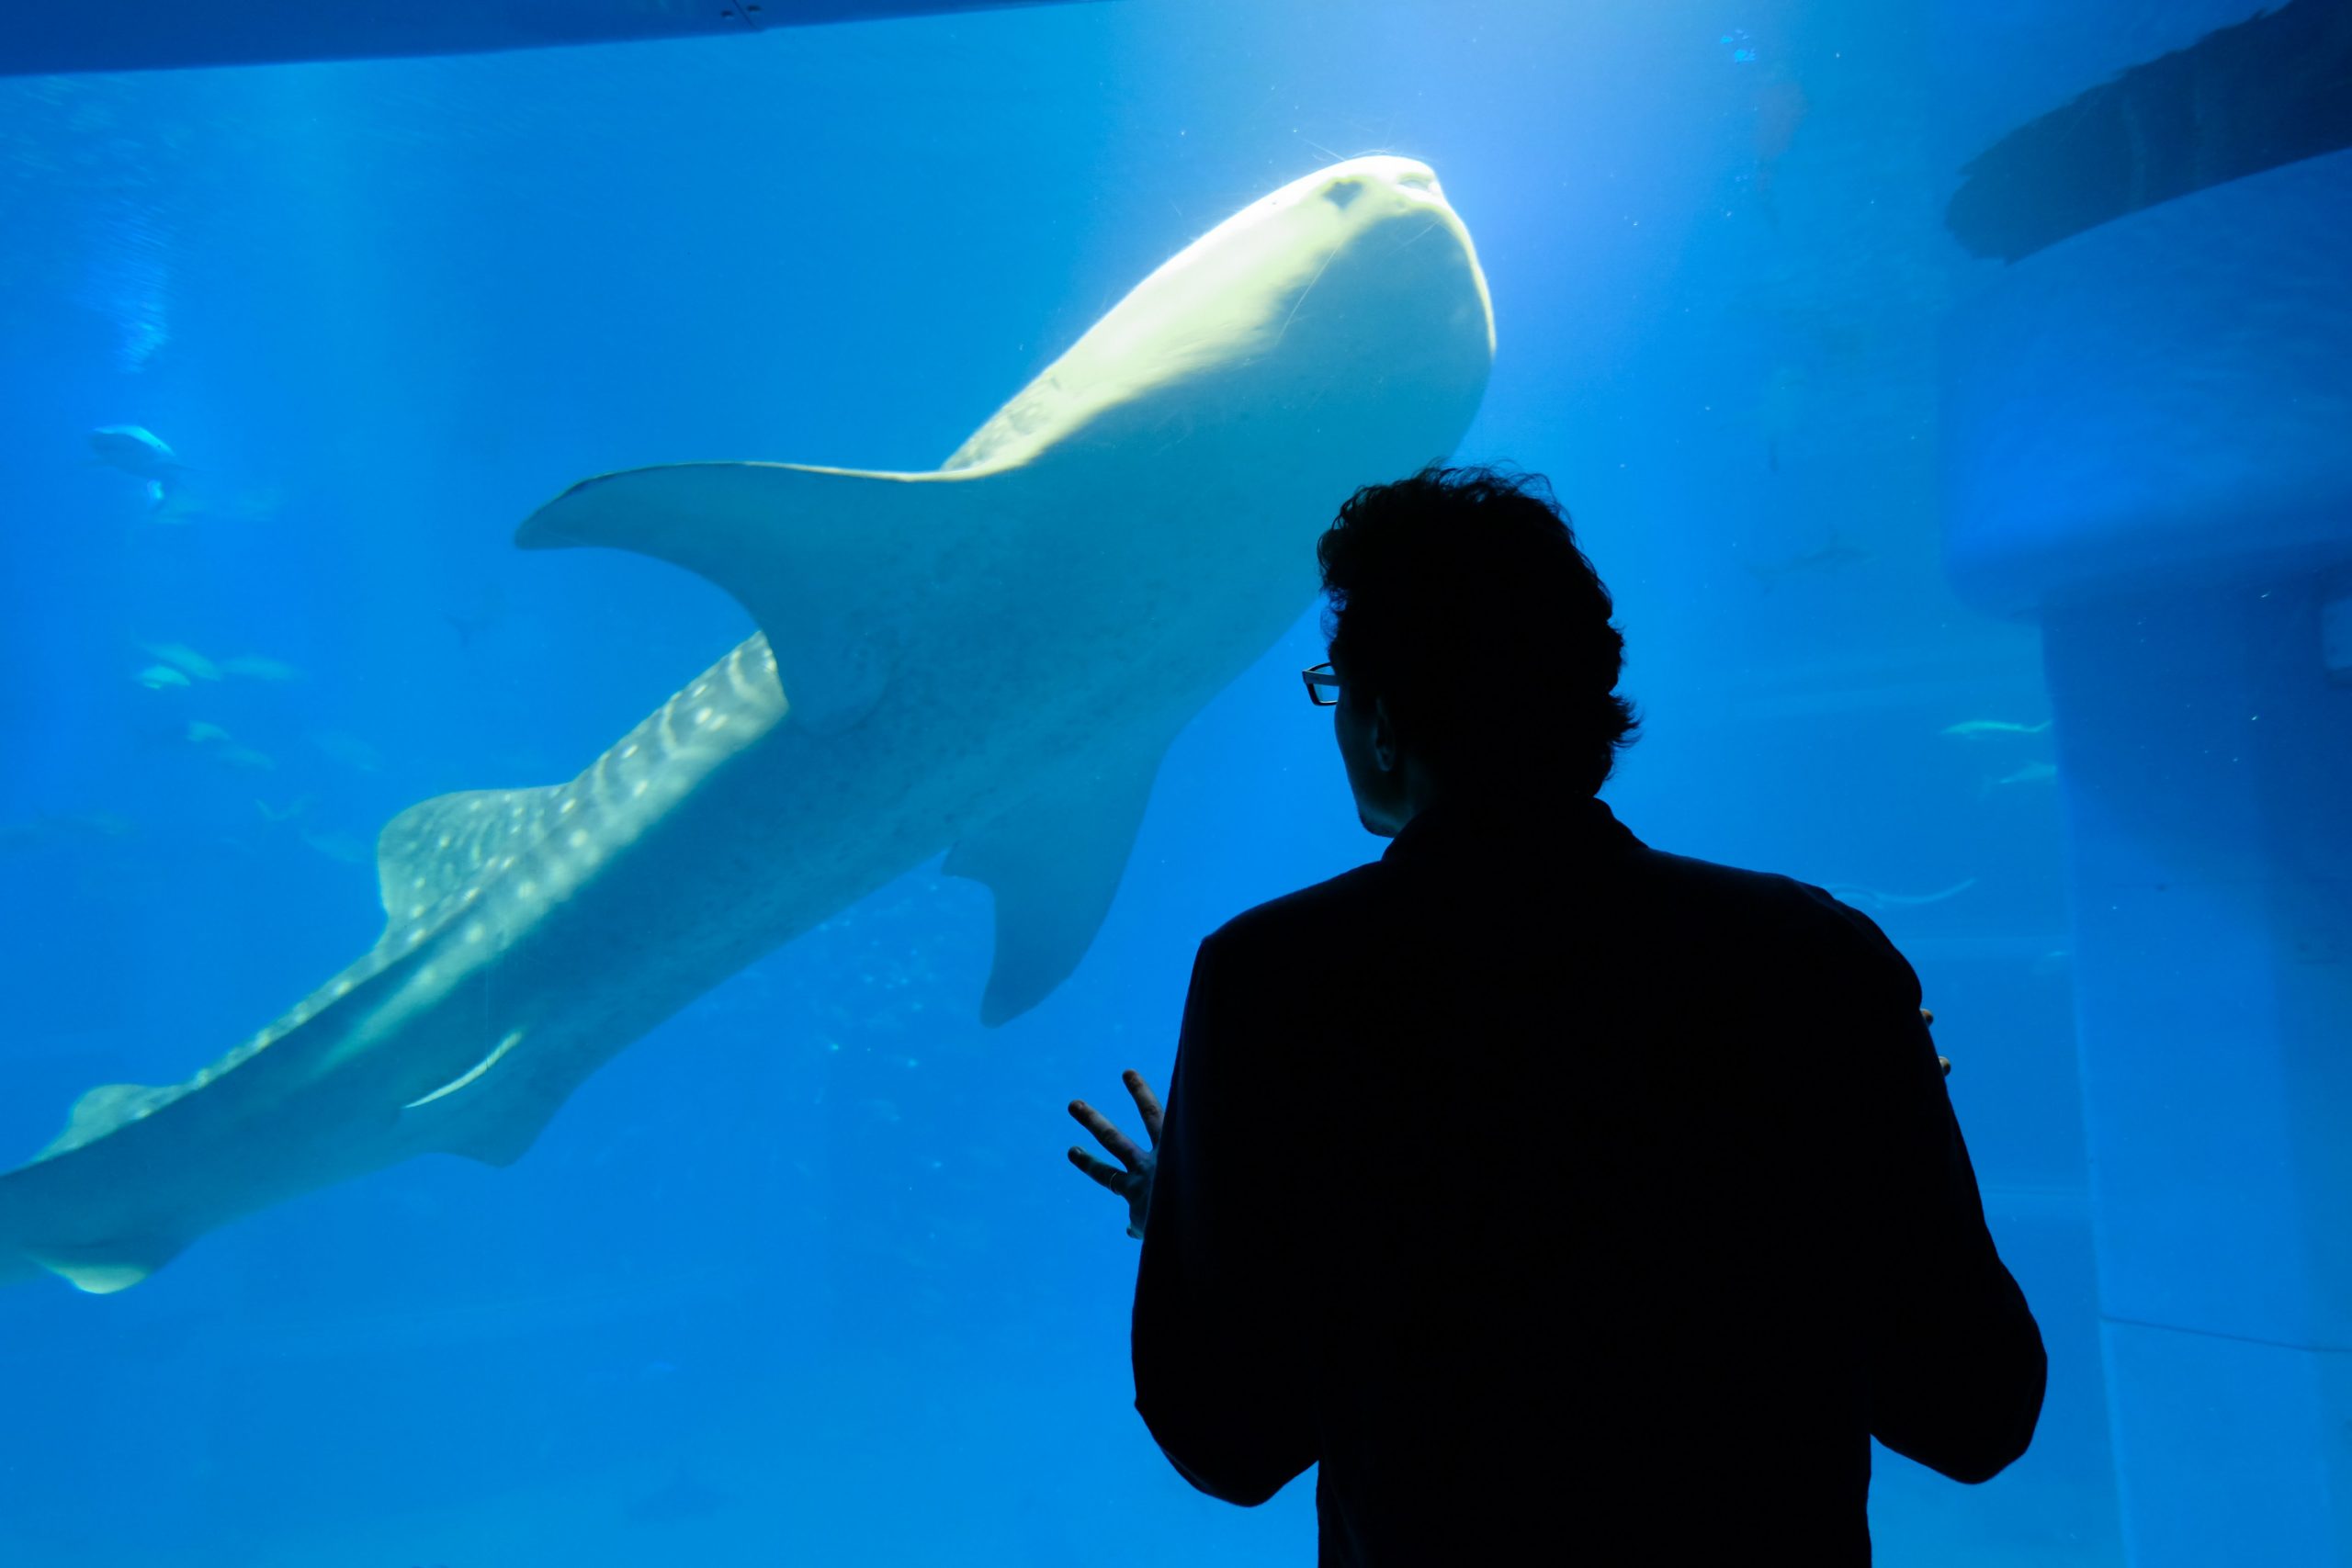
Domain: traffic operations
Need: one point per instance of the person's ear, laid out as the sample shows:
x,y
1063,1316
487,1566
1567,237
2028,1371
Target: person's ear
x,y
1384,736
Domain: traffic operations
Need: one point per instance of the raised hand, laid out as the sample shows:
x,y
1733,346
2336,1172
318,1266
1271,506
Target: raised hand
x,y
1134,1183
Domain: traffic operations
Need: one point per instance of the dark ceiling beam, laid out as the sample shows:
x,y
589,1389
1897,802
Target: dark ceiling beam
x,y
61,36
2270,90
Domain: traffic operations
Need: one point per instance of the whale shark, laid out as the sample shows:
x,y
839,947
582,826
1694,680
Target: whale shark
x,y
986,659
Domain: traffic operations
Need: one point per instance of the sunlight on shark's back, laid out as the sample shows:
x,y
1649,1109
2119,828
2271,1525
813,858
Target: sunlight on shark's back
x,y
1228,298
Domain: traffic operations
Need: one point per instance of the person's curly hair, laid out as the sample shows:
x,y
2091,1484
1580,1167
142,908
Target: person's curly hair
x,y
1460,595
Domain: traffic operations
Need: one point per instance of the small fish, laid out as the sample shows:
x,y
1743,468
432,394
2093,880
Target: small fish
x,y
2032,772
254,667
282,813
337,847
135,449
181,657
479,612
200,732
53,828
247,757
157,677
140,453
348,749
1976,728
1872,898
1830,556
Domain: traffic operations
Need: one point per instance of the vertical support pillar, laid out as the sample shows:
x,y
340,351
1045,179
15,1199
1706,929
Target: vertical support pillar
x,y
2205,740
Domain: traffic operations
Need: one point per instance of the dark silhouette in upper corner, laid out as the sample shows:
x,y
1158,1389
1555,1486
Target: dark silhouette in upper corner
x,y
1567,1199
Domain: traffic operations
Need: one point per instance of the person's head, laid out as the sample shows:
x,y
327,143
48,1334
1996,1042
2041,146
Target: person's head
x,y
1472,643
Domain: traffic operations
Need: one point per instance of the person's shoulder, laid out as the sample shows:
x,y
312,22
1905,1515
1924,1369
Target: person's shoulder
x,y
1315,910
1798,911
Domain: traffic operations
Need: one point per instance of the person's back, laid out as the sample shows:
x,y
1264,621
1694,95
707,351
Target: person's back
x,y
1626,1204
1639,1197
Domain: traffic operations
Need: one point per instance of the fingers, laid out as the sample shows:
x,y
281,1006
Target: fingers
x,y
1146,1103
1108,1137
1926,1017
1113,1179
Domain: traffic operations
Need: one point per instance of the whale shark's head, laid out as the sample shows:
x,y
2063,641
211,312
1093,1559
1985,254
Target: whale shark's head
x,y
1354,289
1384,217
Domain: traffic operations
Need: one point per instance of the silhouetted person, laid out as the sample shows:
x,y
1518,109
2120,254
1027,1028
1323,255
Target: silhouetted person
x,y
1571,1201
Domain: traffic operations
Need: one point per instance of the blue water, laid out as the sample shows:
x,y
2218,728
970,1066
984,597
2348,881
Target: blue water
x,y
803,1276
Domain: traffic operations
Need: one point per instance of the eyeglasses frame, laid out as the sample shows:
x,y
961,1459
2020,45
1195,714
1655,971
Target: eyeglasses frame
x,y
1317,677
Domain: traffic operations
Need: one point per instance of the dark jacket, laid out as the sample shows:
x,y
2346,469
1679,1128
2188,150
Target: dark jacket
x,y
1568,1202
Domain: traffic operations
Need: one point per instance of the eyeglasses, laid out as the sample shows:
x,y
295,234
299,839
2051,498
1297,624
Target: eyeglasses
x,y
1322,685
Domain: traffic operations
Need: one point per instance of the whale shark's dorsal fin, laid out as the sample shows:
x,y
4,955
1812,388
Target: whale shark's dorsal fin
x,y
827,560
437,846
105,1108
1053,861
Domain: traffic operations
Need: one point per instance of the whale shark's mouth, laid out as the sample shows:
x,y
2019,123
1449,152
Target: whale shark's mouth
x,y
1342,183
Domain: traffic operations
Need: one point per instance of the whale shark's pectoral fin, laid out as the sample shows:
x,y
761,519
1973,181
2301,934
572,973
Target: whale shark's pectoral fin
x,y
1053,862
828,560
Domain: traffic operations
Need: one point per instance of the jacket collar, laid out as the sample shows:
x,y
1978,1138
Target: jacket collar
x,y
1527,825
